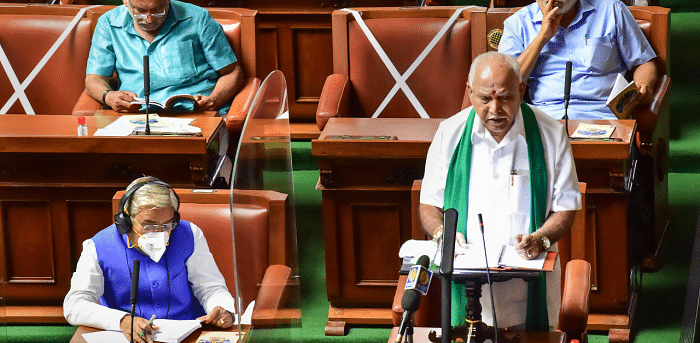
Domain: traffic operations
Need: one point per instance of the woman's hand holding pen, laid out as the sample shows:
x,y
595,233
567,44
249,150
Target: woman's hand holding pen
x,y
140,325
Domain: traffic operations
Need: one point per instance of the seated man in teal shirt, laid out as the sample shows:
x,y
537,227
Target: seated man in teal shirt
x,y
188,54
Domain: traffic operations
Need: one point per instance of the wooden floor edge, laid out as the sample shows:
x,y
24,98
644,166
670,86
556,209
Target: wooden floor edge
x,y
306,131
34,315
369,316
605,322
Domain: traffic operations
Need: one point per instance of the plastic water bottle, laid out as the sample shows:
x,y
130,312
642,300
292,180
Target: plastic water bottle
x,y
82,127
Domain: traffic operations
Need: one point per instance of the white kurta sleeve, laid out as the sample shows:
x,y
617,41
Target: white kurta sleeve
x,y
566,194
207,282
433,186
81,305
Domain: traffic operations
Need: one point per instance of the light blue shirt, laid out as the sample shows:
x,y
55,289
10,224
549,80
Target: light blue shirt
x,y
603,40
183,58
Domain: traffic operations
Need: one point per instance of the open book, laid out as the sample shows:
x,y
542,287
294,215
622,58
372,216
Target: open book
x,y
505,256
620,101
472,257
166,104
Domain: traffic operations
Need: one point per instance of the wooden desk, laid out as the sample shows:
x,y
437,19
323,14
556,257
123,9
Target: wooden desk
x,y
420,335
192,338
367,214
56,190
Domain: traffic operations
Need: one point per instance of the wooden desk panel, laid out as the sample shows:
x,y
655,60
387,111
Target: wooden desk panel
x,y
56,190
366,188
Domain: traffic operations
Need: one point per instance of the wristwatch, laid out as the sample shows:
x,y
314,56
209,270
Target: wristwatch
x,y
104,96
438,235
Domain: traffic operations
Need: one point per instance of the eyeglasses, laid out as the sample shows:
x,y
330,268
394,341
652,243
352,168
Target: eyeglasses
x,y
167,227
141,16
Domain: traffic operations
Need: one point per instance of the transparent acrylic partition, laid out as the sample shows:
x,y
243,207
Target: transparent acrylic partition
x,y
263,163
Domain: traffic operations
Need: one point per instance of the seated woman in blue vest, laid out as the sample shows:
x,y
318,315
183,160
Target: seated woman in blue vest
x,y
178,276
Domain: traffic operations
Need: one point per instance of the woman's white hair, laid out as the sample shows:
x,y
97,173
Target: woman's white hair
x,y
150,195
508,60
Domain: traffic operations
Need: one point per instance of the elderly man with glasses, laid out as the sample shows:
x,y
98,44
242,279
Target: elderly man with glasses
x,y
179,278
188,54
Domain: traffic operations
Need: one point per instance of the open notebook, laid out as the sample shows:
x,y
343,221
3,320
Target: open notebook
x,y
472,257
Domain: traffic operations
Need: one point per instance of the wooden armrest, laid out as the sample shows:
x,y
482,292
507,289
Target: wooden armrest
x,y
273,289
648,115
86,105
428,313
269,305
334,98
241,105
573,315
396,309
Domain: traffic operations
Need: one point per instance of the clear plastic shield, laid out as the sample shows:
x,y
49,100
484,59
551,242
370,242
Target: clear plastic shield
x,y
266,262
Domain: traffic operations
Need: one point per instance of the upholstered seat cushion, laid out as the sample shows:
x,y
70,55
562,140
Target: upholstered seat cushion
x,y
26,38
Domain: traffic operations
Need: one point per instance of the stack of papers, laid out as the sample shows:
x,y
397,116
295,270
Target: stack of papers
x,y
174,331
169,331
136,124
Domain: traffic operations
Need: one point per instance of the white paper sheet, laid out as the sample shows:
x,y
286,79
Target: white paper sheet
x,y
174,330
105,337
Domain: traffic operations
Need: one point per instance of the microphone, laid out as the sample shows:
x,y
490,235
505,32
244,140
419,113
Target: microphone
x,y
567,94
134,292
567,84
146,89
449,236
488,278
417,284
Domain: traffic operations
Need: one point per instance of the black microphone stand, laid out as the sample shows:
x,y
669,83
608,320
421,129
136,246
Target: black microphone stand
x,y
134,293
147,89
133,311
409,332
488,276
567,95
566,116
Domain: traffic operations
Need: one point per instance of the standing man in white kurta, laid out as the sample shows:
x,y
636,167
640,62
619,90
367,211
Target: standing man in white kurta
x,y
524,185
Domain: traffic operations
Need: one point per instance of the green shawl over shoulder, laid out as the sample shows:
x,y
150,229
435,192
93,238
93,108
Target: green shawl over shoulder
x,y
457,197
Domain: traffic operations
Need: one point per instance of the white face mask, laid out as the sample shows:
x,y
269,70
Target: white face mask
x,y
153,244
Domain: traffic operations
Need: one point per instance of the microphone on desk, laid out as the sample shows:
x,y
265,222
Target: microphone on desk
x,y
134,292
488,277
419,277
146,89
449,236
567,95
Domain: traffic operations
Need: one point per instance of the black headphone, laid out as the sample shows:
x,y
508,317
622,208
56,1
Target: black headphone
x,y
122,219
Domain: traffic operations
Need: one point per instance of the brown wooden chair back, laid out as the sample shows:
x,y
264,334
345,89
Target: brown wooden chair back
x,y
438,83
259,221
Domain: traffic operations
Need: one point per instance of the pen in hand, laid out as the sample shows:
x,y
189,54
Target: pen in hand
x,y
150,322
